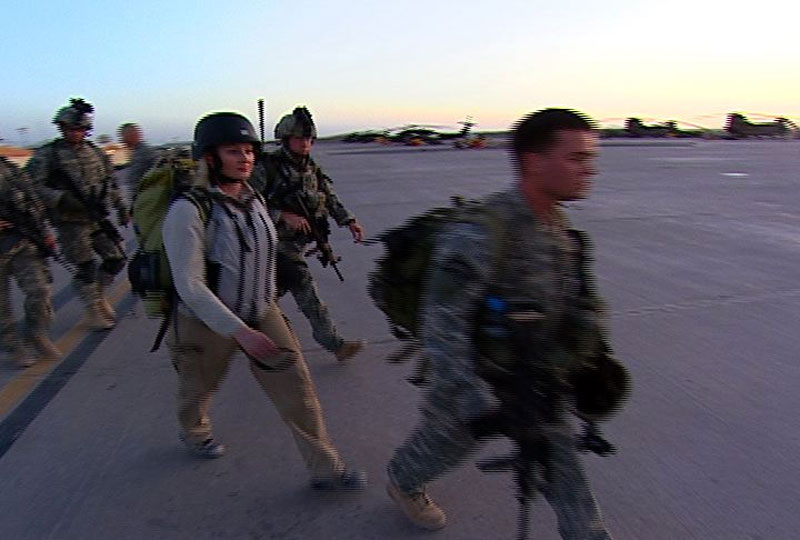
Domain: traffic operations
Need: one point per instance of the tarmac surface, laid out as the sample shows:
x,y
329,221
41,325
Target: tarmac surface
x,y
697,250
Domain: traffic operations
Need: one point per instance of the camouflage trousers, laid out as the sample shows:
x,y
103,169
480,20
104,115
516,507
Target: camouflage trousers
x,y
79,244
444,440
293,275
29,269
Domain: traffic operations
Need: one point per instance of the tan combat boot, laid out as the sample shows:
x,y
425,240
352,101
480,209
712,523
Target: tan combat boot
x,y
96,318
419,508
349,349
106,309
46,348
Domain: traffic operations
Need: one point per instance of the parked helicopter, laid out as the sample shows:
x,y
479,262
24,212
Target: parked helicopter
x,y
739,127
412,134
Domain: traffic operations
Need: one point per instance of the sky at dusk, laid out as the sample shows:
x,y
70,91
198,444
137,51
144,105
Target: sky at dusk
x,y
360,65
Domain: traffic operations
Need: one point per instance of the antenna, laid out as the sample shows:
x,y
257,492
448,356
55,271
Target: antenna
x,y
261,120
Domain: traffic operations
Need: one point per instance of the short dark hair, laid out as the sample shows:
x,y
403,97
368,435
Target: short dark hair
x,y
127,125
537,131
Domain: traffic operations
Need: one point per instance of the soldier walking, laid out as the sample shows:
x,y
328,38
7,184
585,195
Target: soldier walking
x,y
543,287
74,179
142,156
299,192
25,240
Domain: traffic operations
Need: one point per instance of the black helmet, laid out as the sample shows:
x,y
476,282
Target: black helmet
x,y
223,128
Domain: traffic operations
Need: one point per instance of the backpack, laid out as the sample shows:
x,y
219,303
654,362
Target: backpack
x,y
148,270
397,284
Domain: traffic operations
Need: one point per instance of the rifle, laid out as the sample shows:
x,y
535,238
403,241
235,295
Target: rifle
x,y
26,226
320,230
530,393
95,208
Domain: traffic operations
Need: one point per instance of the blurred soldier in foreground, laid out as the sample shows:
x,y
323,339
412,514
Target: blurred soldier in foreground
x,y
512,325
74,179
220,237
25,241
142,156
301,197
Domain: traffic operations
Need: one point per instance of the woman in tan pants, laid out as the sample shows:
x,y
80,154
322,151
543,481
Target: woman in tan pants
x,y
221,247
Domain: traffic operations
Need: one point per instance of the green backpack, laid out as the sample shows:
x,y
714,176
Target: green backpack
x,y
397,284
148,270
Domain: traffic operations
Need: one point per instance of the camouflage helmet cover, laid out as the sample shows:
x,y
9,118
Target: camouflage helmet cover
x,y
223,128
297,124
77,113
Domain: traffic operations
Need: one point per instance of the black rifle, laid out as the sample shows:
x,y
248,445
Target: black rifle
x,y
25,225
320,231
530,393
95,208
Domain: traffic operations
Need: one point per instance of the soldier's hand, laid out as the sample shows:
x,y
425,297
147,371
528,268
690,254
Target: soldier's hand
x,y
50,242
5,224
256,345
295,222
357,230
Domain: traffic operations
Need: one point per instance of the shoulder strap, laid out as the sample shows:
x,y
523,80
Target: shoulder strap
x,y
499,234
201,199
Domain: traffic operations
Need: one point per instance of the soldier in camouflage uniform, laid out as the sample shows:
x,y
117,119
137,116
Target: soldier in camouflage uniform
x,y
554,153
74,179
23,229
285,175
143,156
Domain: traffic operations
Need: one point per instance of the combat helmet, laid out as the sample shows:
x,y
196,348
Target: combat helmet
x,y
297,124
223,128
77,113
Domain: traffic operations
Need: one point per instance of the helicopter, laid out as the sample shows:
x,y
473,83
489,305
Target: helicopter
x,y
412,134
739,127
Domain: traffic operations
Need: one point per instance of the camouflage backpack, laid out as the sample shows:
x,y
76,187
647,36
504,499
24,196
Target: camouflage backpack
x,y
397,284
148,270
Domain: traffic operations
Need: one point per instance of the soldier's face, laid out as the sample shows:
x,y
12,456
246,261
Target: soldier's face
x,y
237,160
132,136
73,134
564,172
301,145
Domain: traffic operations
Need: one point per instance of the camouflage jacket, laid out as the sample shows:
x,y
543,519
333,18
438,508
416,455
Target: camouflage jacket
x,y
20,206
540,272
89,170
281,178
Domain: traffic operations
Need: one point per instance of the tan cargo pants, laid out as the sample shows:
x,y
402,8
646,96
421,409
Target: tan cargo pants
x,y
202,358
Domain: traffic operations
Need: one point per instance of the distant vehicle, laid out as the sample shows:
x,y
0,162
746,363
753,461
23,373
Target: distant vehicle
x,y
364,136
739,127
411,134
635,128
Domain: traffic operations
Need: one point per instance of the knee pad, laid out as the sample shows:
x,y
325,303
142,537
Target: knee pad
x,y
112,266
86,273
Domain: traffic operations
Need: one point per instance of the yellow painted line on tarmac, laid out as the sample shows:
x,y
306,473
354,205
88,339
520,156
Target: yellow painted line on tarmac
x,y
19,387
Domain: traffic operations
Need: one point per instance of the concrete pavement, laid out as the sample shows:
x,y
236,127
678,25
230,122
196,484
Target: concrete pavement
x,y
697,252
